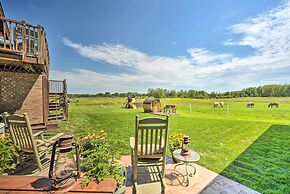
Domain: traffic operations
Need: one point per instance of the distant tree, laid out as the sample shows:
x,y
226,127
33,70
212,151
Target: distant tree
x,y
273,90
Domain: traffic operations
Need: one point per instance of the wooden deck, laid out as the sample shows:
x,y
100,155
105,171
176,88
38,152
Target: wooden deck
x,y
41,184
14,63
23,47
24,72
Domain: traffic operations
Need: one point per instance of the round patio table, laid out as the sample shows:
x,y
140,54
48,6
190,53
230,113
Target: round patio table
x,y
186,161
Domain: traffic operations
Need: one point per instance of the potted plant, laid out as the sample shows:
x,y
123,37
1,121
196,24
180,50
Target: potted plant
x,y
99,160
8,154
175,143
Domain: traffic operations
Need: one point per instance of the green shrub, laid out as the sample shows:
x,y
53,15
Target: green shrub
x,y
7,154
99,158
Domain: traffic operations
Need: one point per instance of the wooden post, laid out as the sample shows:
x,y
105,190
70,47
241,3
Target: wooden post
x,y
45,98
4,35
65,98
23,40
15,37
190,109
135,158
10,35
39,48
29,46
42,45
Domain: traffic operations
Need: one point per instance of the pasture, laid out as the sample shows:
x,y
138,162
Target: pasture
x,y
239,142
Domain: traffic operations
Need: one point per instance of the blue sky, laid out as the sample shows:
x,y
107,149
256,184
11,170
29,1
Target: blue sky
x,y
120,46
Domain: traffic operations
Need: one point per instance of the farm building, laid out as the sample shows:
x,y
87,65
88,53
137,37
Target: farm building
x,y
24,73
152,105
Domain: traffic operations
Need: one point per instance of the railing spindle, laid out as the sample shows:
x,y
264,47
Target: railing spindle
x,y
15,37
29,49
23,40
4,35
10,35
34,39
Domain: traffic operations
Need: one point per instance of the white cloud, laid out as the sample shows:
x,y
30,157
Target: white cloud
x,y
268,33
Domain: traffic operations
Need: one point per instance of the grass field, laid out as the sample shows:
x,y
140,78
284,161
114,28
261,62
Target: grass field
x,y
249,145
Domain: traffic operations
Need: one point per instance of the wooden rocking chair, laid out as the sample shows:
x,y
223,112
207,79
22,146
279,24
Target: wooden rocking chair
x,y
149,145
27,143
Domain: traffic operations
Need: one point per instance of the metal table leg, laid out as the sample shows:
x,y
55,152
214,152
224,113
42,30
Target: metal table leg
x,y
187,174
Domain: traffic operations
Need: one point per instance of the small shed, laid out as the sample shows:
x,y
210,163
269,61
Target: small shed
x,y
152,105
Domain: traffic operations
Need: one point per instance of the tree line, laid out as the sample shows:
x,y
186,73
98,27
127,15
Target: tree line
x,y
273,90
108,94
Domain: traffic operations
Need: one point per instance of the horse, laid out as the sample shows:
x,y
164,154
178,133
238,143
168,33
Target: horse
x,y
250,104
273,104
216,104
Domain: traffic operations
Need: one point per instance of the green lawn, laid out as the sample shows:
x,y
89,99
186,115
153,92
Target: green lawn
x,y
220,135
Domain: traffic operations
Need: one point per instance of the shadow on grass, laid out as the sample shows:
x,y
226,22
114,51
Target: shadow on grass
x,y
265,165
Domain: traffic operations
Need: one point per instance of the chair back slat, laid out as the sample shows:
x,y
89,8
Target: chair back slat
x,y
156,139
20,136
150,138
20,130
160,139
146,142
142,142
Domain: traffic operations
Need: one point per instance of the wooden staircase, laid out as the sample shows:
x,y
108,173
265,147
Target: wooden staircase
x,y
58,103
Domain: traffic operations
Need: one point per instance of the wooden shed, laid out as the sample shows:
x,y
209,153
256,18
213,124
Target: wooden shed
x,y
24,70
152,105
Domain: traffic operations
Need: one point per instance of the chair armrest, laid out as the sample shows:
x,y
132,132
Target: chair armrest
x,y
132,143
51,140
38,134
55,137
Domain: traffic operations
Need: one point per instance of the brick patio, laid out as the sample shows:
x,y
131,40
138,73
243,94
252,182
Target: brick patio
x,y
204,182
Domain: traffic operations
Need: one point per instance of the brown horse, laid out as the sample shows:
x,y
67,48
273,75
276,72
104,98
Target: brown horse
x,y
273,104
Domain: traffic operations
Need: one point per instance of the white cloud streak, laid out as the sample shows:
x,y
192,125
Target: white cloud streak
x,y
268,33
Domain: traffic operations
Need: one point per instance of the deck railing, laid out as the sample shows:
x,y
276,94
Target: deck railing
x,y
23,39
57,86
